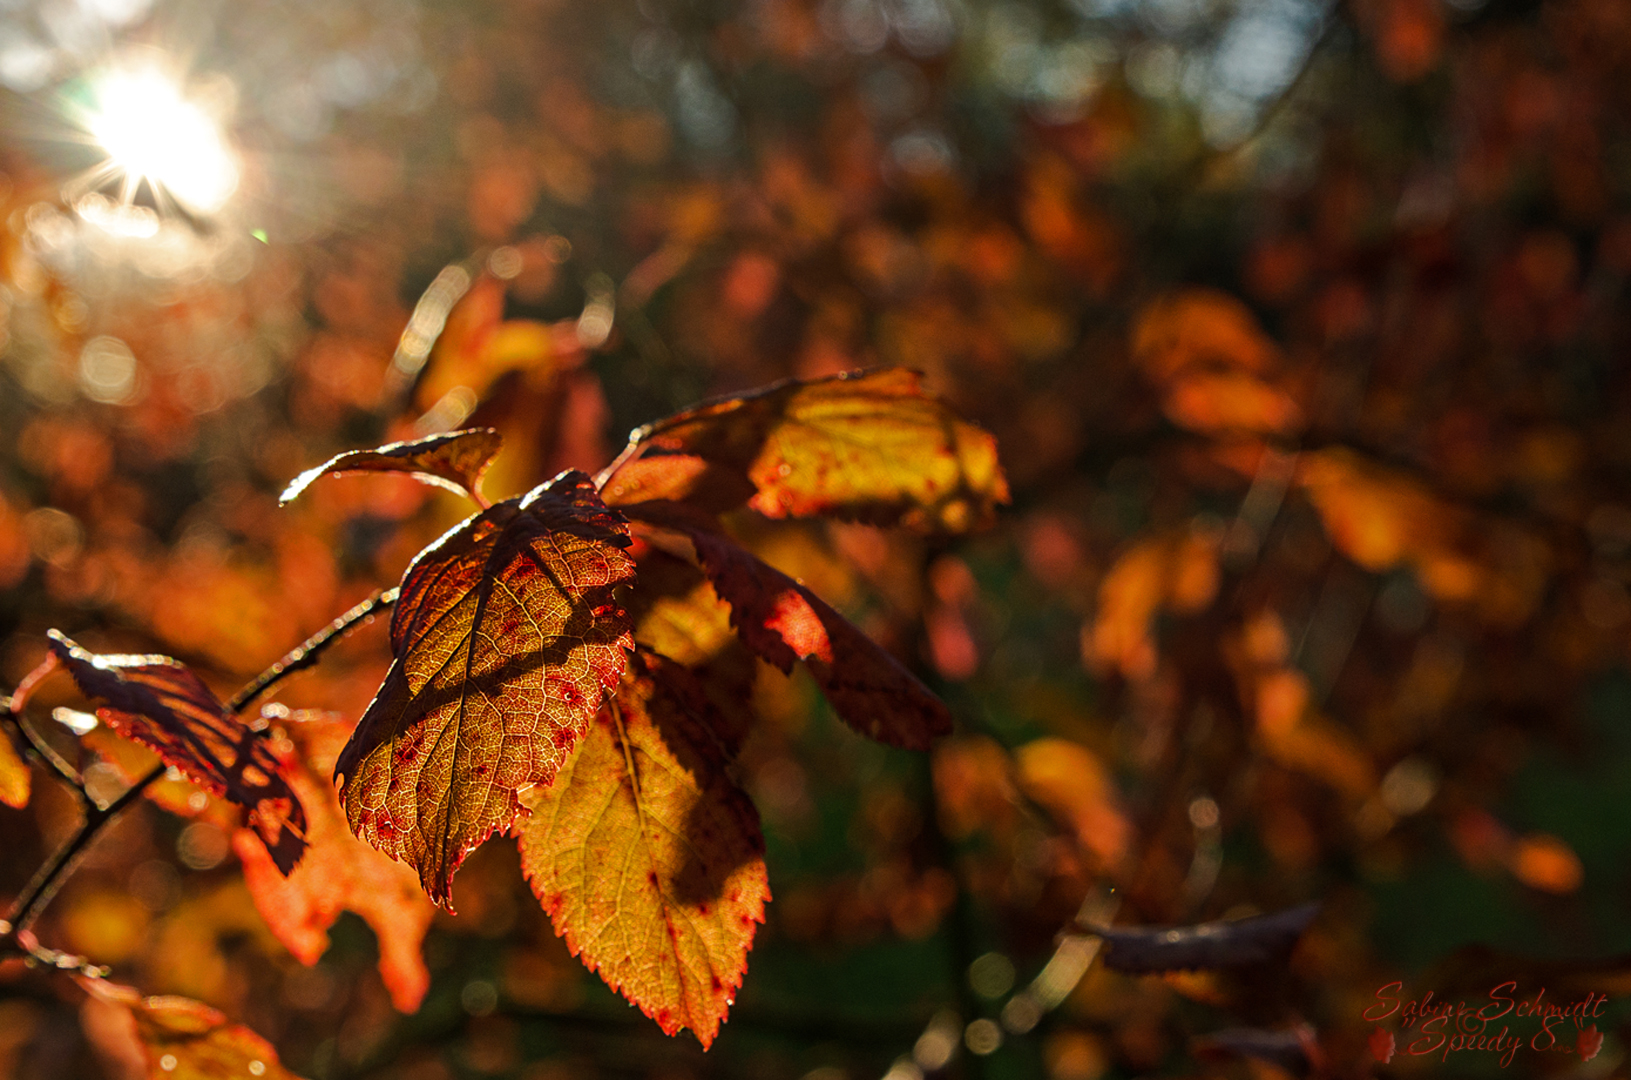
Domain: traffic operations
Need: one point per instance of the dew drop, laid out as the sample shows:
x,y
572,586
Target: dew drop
x,y
257,1068
168,1063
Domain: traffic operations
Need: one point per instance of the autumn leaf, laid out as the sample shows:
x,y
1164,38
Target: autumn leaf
x,y
865,446
455,461
1216,402
339,873
15,779
782,621
506,638
677,614
647,856
1225,943
1073,785
1176,571
177,1038
160,703
1200,328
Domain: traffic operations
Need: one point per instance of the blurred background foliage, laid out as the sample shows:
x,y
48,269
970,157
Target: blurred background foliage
x,y
1296,321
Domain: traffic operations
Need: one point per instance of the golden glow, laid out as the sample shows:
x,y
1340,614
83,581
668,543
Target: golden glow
x,y
152,132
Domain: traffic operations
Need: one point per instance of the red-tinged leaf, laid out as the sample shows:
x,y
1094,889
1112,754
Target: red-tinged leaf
x,y
1382,1045
1588,1043
677,614
177,1038
339,873
647,856
132,761
157,701
865,446
1226,943
506,637
455,460
782,621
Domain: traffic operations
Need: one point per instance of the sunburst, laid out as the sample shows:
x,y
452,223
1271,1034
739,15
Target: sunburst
x,y
154,135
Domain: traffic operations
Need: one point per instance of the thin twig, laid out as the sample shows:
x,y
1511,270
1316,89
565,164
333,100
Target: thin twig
x,y
33,744
306,653
50,877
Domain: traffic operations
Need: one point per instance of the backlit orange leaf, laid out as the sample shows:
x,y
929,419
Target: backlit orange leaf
x,y
973,786
159,702
455,461
1298,737
1381,519
864,446
782,621
506,638
1214,402
680,478
339,873
648,857
487,354
1178,572
181,1039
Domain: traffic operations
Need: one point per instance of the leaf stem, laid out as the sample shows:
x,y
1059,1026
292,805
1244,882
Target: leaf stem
x,y
32,743
307,652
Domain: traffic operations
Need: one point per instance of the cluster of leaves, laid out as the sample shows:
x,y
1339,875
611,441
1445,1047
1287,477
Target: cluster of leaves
x,y
522,696
1316,583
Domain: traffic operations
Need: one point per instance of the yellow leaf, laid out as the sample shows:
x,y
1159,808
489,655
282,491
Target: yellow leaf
x,y
648,857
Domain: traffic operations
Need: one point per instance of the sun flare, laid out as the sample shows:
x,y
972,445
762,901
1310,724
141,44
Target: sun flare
x,y
153,133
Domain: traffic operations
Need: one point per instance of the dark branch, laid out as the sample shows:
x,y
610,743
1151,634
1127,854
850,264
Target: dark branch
x,y
50,877
307,652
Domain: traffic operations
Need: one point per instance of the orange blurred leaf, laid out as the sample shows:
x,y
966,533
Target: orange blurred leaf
x,y
1214,402
1546,863
477,346
1381,519
1070,781
1200,327
339,873
1177,572
182,1039
15,778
